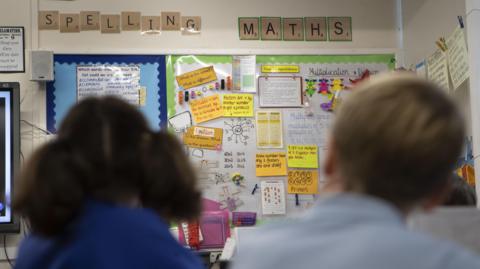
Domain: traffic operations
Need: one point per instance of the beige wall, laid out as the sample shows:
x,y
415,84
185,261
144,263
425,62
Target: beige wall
x,y
424,21
373,24
374,30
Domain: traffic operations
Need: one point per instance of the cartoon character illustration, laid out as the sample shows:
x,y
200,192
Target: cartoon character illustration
x,y
310,86
332,103
337,84
324,87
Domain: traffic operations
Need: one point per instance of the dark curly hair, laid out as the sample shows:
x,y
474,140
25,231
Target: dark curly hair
x,y
106,151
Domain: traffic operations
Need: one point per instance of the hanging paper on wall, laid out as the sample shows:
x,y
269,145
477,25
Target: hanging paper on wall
x,y
237,105
206,109
303,181
303,156
273,197
269,129
197,77
438,69
244,68
203,137
270,164
457,57
102,80
276,91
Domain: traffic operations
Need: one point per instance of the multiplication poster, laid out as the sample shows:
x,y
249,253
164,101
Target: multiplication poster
x,y
269,157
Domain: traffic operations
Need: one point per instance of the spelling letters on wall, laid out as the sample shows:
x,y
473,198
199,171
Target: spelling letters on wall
x,y
115,23
295,29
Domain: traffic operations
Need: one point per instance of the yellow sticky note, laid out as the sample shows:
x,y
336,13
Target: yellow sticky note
x,y
303,156
237,105
280,69
197,77
203,137
271,164
303,181
142,94
206,109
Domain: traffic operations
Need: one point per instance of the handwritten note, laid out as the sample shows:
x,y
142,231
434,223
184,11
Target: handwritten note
x,y
102,80
203,137
303,181
457,57
303,129
273,197
280,91
269,129
197,77
303,156
271,164
237,105
206,109
234,159
438,69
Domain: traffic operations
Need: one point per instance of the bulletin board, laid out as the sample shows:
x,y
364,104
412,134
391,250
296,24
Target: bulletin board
x,y
62,93
228,164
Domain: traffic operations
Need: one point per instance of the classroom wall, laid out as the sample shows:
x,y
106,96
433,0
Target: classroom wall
x,y
17,13
424,21
374,30
373,25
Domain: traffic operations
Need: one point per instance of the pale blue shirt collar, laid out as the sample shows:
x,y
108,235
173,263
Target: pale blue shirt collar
x,y
351,207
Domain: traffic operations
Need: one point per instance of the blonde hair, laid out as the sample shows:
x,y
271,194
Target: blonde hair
x,y
397,137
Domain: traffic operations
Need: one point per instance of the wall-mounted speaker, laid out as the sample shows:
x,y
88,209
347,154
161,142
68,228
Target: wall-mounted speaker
x,y
41,63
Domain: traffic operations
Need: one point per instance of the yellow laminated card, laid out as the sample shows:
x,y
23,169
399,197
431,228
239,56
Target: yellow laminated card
x,y
303,156
238,105
303,181
280,69
206,109
197,77
203,137
271,164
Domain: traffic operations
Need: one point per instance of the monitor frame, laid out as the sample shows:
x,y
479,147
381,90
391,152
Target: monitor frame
x,y
14,88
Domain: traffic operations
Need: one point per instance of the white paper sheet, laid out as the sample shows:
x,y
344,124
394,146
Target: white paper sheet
x,y
244,73
280,91
102,80
11,49
438,69
273,197
457,57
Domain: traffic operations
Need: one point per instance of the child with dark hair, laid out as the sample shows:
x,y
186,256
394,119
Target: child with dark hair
x,y
102,194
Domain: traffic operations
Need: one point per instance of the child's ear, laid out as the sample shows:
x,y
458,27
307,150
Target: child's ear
x,y
333,182
329,163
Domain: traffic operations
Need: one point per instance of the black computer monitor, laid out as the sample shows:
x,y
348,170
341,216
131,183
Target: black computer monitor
x,y
9,152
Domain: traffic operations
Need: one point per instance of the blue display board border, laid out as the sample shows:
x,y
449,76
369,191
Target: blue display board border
x,y
110,59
